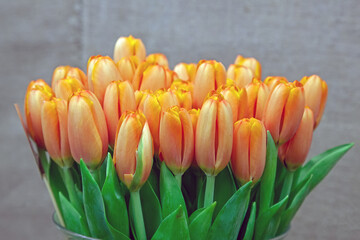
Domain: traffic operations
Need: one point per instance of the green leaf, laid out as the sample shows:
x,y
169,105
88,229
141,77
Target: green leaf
x,y
94,205
117,234
224,188
170,193
103,170
173,227
268,177
229,220
262,225
114,201
154,180
295,204
195,214
151,209
201,193
321,166
56,183
201,223
249,233
73,220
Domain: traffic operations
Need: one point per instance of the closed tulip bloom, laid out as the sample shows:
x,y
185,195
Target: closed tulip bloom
x,y
170,77
179,84
87,130
293,153
243,104
273,81
184,98
101,72
60,72
133,150
65,87
176,139
284,111
257,93
214,135
127,67
119,98
78,74
67,71
251,63
209,76
129,46
316,91
158,58
150,76
249,150
55,130
140,97
37,92
231,95
241,75
186,71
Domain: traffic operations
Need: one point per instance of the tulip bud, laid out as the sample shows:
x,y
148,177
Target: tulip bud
x,y
273,81
176,139
209,76
129,46
170,77
87,130
140,97
284,111
65,87
101,72
315,96
249,150
293,153
257,93
119,98
133,150
127,67
231,95
179,84
67,71
186,71
154,105
55,129
241,75
150,76
251,63
158,58
184,98
214,135
37,92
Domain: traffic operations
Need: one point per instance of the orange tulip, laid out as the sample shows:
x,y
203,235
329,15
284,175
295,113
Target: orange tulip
x,y
87,130
293,153
127,67
231,95
241,75
176,137
101,72
133,150
154,105
67,71
170,77
249,150
184,98
140,97
316,91
129,46
273,81
209,76
284,111
37,92
150,76
251,63
214,135
158,58
119,98
186,71
65,87
55,129
257,93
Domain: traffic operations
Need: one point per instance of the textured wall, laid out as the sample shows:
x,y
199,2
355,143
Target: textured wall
x,y
289,38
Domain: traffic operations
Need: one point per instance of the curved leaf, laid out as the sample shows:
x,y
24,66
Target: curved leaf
x,y
249,233
229,220
201,223
173,227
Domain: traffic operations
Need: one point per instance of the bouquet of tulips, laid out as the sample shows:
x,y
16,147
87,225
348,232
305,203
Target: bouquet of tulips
x,y
135,150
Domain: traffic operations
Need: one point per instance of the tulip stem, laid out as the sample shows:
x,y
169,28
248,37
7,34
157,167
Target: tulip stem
x,y
209,190
286,188
178,179
138,215
70,187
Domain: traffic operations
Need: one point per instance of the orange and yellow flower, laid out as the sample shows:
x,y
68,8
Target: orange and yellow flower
x,y
158,58
64,88
251,63
241,75
129,46
186,71
257,95
127,67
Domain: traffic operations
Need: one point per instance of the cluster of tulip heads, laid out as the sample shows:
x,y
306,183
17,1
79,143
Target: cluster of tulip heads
x,y
198,115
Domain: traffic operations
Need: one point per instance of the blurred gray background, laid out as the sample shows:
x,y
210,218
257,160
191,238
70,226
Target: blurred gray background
x,y
290,38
